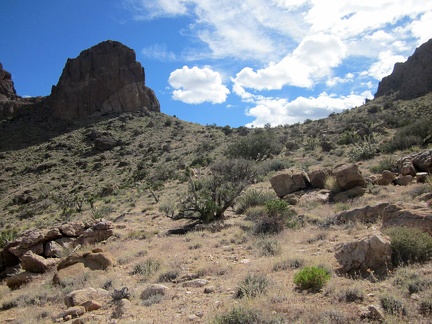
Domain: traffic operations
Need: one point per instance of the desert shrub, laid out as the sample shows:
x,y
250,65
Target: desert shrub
x,y
351,294
348,137
392,305
168,208
254,147
147,268
426,306
268,225
278,216
201,160
429,182
276,207
252,286
418,133
269,247
207,199
151,300
240,315
255,213
330,183
168,276
7,236
313,278
288,264
272,165
363,151
252,198
409,245
385,163
418,284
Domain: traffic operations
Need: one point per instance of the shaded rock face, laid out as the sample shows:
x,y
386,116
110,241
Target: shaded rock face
x,y
411,79
103,79
7,88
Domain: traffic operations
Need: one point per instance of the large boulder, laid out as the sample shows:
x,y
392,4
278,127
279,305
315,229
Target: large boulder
x,y
366,214
411,79
17,280
103,79
35,263
287,182
317,177
348,176
407,215
89,297
365,255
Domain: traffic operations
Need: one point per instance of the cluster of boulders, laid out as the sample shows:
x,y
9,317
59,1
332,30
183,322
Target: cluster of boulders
x,y
37,251
415,167
348,183
371,255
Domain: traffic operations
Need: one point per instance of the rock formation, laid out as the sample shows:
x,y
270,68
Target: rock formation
x,y
103,79
7,88
411,79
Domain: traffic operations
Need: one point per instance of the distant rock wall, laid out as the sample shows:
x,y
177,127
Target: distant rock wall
x,y
411,79
103,79
7,88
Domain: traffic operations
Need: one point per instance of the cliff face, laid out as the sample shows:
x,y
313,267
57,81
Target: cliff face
x,y
411,79
103,79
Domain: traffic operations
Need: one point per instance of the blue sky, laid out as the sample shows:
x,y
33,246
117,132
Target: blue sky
x,y
228,62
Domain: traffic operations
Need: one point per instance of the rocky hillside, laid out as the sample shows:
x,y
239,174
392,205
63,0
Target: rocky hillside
x,y
141,217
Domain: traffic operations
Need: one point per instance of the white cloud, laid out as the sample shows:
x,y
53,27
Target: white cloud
x,y
422,28
197,85
158,52
384,65
310,61
277,111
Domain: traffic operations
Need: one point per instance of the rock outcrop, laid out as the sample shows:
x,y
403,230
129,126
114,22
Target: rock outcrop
x,y
407,215
287,182
411,79
103,79
7,88
364,256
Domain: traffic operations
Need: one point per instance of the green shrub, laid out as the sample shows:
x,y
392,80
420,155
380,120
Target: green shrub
x,y
385,163
393,306
252,286
313,278
255,213
276,207
268,225
168,276
330,183
418,133
409,245
351,294
254,147
7,236
426,306
363,151
252,198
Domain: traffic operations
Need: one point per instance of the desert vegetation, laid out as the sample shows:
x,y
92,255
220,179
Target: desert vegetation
x,y
200,234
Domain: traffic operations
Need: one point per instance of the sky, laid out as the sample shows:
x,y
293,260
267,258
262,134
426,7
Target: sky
x,y
226,62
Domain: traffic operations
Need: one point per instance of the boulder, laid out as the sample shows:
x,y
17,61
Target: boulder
x,y
404,180
317,177
122,308
285,183
407,215
365,255
87,297
105,143
417,162
33,240
72,312
98,261
421,177
366,214
100,231
153,290
17,280
103,79
346,195
35,263
69,275
386,178
196,283
72,229
315,197
348,176
411,79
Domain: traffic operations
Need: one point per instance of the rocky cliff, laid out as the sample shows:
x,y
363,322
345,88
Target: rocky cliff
x,y
7,88
411,79
103,79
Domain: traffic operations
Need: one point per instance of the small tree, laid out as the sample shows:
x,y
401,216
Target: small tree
x,y
207,199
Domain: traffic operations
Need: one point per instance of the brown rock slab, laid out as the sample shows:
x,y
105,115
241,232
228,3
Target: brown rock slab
x,y
66,276
288,182
366,214
35,263
72,312
361,256
17,280
349,176
408,215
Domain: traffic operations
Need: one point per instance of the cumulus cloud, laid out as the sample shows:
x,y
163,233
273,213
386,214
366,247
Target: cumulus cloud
x,y
279,111
422,28
197,85
310,61
384,65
